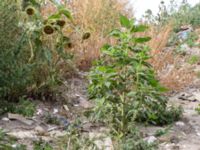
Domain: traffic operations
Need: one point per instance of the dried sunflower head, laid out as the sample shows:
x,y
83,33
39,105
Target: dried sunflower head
x,y
86,36
30,10
61,23
48,29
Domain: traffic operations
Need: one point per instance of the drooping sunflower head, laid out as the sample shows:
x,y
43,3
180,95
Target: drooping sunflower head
x,y
48,29
30,10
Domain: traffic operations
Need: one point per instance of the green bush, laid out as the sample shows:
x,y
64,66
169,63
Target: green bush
x,y
32,48
123,84
183,14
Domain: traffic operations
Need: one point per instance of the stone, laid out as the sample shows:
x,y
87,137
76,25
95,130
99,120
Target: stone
x,y
40,130
180,124
101,141
55,111
39,112
150,139
23,134
197,96
20,118
66,107
5,119
174,139
57,133
85,103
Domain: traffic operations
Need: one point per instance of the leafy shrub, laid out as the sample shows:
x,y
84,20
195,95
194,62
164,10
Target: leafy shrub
x,y
124,86
182,14
30,60
24,107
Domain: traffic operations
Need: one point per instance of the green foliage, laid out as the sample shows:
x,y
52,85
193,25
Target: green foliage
x,y
133,141
75,139
40,145
198,109
30,59
49,119
6,143
161,132
124,86
191,40
25,107
193,59
182,14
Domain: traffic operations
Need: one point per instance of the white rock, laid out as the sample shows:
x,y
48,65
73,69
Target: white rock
x,y
180,124
23,134
5,119
55,111
150,139
197,95
14,145
39,112
101,141
56,134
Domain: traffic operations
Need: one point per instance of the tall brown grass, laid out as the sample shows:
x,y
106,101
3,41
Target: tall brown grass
x,y
97,17
171,68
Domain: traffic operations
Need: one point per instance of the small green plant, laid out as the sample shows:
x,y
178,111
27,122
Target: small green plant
x,y
49,119
8,143
25,107
161,132
41,145
198,109
123,84
191,40
193,59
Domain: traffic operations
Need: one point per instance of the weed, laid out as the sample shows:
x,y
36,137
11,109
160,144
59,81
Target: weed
x,y
8,143
198,109
40,145
161,132
123,84
25,107
193,59
51,119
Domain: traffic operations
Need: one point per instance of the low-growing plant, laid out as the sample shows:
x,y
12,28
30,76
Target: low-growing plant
x,y
193,59
123,84
41,145
25,107
198,109
161,132
8,143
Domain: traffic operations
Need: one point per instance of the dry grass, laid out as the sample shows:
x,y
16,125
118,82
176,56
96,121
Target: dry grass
x,y
171,69
97,17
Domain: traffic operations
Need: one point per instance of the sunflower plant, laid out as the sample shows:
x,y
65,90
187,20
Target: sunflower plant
x,y
123,84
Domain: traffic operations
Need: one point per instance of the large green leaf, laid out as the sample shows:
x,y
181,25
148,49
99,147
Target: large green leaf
x,y
54,16
66,13
139,28
125,22
115,33
142,39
